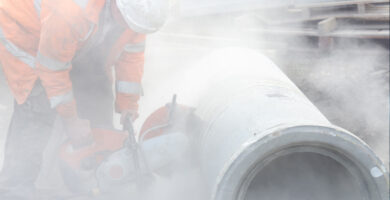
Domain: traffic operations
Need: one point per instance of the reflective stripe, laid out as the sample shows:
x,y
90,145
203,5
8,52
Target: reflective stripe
x,y
37,5
61,99
16,51
82,3
135,48
91,28
129,87
51,63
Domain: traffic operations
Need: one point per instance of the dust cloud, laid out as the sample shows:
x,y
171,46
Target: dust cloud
x,y
354,93
349,86
351,91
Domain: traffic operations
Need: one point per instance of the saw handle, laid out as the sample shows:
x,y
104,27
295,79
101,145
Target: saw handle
x,y
143,176
129,128
132,145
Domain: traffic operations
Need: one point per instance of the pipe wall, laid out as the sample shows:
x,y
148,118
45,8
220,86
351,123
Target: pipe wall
x,y
254,115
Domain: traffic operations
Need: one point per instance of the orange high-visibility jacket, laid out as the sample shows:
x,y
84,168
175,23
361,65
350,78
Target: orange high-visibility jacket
x,y
39,39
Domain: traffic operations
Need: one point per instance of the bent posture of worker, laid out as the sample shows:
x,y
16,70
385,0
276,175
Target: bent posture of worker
x,y
57,57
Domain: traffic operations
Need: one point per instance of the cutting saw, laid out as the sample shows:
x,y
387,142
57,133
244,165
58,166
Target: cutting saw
x,y
117,163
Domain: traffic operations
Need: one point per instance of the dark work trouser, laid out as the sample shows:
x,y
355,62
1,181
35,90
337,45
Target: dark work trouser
x,y
32,124
28,133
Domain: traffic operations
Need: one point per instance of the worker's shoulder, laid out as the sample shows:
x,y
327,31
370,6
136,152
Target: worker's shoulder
x,y
74,10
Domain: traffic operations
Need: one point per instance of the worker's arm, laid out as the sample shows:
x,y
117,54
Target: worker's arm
x,y
59,40
129,71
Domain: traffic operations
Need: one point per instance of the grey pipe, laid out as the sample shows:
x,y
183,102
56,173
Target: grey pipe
x,y
263,139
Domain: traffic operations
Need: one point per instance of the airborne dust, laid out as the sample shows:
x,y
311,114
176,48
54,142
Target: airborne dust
x,y
348,86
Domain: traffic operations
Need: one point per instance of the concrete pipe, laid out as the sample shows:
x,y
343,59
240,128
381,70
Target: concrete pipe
x,y
263,139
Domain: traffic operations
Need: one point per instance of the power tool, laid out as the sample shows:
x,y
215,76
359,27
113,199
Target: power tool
x,y
117,164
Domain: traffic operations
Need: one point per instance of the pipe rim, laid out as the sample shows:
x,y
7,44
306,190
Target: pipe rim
x,y
347,148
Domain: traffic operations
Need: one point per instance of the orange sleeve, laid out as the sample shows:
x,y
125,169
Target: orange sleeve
x,y
129,70
59,40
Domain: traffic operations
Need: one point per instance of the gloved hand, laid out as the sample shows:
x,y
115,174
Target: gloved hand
x,y
133,115
78,131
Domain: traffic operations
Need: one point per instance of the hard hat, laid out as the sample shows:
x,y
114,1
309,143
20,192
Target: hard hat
x,y
144,16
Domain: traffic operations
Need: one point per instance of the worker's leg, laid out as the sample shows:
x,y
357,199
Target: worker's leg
x,y
28,134
50,183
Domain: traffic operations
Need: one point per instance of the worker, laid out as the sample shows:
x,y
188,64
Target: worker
x,y
57,57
